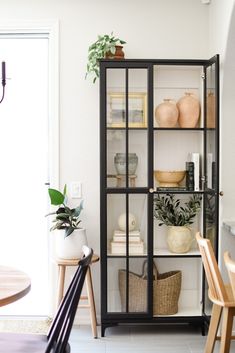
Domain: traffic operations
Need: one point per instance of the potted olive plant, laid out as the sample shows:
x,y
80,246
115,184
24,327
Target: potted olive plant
x,y
105,46
168,210
70,237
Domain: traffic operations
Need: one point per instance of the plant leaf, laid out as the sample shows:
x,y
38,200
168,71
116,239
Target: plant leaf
x,y
57,198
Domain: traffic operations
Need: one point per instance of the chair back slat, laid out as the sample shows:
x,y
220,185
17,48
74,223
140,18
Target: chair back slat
x,y
230,265
216,285
60,329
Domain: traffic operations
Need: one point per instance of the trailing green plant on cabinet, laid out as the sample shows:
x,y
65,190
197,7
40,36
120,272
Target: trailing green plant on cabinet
x,y
159,138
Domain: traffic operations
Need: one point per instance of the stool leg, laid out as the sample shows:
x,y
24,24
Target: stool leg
x,y
61,278
91,301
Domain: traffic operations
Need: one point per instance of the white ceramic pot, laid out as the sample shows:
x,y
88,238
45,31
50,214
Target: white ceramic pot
x,y
71,246
179,239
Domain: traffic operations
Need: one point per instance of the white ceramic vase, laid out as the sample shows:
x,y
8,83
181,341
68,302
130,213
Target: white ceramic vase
x,y
71,246
179,239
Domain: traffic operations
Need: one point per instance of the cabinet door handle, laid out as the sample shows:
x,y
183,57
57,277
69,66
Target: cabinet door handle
x,y
221,193
152,190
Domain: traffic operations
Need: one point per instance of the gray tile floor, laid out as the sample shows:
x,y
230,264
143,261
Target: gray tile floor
x,y
140,339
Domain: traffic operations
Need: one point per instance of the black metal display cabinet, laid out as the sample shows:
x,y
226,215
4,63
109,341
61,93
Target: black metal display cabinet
x,y
136,120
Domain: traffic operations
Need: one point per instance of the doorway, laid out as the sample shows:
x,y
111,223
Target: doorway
x,y
25,165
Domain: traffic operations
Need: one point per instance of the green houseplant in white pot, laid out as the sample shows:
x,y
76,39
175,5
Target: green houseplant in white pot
x,y
106,46
70,237
168,210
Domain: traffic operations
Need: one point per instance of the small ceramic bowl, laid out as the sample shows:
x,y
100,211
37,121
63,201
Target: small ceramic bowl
x,y
169,178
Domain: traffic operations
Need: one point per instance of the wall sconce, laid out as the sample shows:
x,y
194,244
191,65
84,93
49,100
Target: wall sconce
x,y
3,80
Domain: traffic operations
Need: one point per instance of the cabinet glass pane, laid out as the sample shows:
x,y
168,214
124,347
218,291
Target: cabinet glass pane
x,y
171,84
211,129
137,98
189,300
115,100
210,218
117,223
172,150
116,158
137,285
114,267
138,149
170,240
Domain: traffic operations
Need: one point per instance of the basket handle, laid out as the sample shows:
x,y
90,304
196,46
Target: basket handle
x,y
144,270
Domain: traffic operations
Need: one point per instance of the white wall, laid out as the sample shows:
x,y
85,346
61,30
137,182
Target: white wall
x,y
152,29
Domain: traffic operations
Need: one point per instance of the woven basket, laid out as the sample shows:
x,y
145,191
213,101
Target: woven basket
x,y
166,291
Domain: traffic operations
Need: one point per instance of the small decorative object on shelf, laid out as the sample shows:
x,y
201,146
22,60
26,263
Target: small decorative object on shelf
x,y
189,110
122,222
178,218
166,113
169,178
120,163
135,243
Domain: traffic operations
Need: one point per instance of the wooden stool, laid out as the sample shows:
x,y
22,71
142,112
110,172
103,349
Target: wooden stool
x,y
62,264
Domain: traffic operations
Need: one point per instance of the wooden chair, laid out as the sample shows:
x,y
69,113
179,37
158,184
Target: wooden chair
x,y
221,296
56,341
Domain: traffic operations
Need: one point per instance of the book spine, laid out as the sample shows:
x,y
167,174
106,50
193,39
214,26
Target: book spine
x,y
131,239
190,176
195,158
209,170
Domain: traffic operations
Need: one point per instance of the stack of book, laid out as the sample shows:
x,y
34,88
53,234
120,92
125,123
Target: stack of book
x,y
118,243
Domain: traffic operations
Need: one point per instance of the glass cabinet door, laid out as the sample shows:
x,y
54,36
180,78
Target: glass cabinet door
x,y
126,127
126,160
211,163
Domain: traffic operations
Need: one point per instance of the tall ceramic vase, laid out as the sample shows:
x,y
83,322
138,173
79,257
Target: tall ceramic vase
x,y
179,239
71,246
189,110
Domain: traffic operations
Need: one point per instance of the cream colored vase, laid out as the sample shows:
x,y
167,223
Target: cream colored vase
x,y
189,110
71,246
179,239
166,113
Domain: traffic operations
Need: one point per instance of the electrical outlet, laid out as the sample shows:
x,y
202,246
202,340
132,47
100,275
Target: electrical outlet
x,y
76,190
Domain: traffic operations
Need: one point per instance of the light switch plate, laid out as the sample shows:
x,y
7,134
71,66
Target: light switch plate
x,y
76,189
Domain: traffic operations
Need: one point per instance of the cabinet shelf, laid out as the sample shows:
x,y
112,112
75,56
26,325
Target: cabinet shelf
x,y
167,253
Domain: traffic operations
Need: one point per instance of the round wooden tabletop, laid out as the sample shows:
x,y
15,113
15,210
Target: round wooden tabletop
x,y
14,284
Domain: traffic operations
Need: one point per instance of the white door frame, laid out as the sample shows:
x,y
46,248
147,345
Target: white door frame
x,y
50,28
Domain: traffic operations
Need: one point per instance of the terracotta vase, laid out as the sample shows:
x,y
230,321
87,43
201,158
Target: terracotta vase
x,y
119,53
210,112
189,110
179,239
166,113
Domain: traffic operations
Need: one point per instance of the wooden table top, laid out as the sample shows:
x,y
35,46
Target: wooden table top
x,y
14,284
